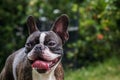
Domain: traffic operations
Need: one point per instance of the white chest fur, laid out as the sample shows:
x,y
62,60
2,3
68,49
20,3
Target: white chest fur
x,y
44,76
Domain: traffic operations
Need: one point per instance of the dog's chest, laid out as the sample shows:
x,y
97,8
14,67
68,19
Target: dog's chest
x,y
44,76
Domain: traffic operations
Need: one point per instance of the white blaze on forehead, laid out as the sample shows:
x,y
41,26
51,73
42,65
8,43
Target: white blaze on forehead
x,y
42,38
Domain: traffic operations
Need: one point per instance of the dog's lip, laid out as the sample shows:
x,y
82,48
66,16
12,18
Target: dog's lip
x,y
42,64
42,59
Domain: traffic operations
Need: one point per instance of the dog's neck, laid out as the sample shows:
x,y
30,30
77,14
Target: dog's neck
x,y
45,76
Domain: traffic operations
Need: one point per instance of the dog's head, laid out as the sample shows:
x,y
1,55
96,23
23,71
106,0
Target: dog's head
x,y
44,49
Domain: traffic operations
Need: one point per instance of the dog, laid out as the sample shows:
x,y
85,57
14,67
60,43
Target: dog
x,y
40,58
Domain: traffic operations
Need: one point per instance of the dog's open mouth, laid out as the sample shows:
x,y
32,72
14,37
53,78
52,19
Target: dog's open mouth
x,y
43,65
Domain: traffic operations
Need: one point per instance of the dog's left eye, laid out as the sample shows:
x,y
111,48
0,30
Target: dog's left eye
x,y
51,43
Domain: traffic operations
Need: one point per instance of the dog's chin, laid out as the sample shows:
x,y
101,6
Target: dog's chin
x,y
43,66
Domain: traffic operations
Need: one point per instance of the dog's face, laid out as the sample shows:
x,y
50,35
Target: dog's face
x,y
44,49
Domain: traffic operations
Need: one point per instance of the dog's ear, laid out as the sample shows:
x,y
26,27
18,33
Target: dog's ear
x,y
31,25
60,27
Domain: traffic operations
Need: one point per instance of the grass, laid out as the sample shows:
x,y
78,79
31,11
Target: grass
x,y
109,70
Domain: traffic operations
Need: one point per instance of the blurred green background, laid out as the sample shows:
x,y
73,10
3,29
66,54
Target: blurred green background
x,y
93,50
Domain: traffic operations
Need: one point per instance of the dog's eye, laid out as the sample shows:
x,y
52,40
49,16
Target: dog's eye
x,y
51,43
28,45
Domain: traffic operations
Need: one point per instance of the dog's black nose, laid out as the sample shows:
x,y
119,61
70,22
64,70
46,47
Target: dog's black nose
x,y
38,48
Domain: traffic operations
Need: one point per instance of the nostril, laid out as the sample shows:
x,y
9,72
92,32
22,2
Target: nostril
x,y
38,48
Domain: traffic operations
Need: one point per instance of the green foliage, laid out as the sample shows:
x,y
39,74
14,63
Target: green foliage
x,y
12,16
99,31
109,70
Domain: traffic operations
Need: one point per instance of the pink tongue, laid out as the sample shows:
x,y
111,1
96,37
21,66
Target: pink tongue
x,y
40,65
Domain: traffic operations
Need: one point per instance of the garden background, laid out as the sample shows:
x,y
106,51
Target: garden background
x,y
93,50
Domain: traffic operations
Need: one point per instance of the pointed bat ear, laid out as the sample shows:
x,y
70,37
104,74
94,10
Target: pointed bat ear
x,y
60,27
31,25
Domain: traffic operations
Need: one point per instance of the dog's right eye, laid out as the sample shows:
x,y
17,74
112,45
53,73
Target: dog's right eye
x,y
28,45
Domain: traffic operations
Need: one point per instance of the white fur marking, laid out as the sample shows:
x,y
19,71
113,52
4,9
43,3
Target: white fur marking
x,y
49,55
43,76
16,62
42,38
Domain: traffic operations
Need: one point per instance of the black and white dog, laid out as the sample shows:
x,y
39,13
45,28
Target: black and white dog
x,y
40,59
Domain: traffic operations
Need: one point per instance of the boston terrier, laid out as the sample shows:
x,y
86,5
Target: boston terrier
x,y
40,59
